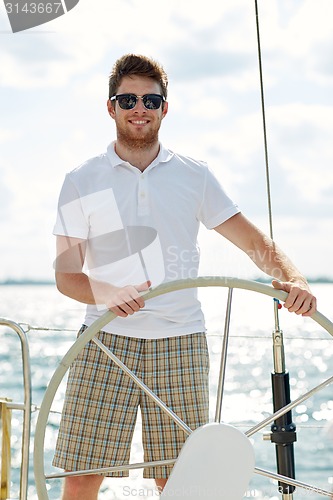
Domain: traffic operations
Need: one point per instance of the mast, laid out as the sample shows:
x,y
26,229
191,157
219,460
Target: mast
x,y
283,430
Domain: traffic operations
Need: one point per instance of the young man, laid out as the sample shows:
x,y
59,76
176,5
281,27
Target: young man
x,y
127,219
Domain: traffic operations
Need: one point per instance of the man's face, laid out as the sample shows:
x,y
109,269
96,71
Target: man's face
x,y
137,127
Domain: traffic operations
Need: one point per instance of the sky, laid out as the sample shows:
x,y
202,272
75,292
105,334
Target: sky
x,y
53,93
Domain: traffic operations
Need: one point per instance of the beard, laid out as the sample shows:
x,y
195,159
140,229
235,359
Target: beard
x,y
137,140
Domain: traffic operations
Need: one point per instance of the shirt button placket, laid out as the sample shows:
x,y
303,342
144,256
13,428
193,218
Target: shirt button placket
x,y
143,199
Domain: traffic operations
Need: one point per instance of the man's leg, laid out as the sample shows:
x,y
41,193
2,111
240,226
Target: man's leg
x,y
100,407
82,487
177,370
160,483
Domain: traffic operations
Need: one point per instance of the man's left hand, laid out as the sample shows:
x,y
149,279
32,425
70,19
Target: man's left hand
x,y
300,299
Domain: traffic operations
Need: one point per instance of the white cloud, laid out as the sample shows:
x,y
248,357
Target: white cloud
x,y
53,66
8,135
54,87
302,138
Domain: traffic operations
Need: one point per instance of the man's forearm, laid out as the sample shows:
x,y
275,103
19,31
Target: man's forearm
x,y
80,287
120,300
273,261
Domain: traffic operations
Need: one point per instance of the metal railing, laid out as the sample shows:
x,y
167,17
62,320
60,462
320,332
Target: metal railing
x,y
6,408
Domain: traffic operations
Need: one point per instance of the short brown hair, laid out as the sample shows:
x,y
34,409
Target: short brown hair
x,y
132,64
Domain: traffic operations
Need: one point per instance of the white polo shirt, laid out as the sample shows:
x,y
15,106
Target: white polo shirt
x,y
144,225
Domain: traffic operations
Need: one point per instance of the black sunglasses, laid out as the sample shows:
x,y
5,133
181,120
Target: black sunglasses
x,y
128,101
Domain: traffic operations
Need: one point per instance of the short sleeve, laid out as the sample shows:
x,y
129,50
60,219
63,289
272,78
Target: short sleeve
x,y
71,220
216,206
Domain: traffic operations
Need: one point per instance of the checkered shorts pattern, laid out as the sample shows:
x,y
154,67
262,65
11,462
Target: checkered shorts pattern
x,y
101,401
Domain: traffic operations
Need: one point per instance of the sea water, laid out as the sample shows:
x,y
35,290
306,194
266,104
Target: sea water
x,y
51,321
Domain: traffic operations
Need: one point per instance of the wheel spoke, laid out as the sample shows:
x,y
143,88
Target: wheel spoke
x,y
90,333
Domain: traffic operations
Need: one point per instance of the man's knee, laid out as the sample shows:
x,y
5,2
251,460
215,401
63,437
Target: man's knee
x,y
160,483
81,487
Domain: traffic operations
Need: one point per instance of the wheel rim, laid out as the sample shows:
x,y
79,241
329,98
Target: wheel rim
x,y
92,330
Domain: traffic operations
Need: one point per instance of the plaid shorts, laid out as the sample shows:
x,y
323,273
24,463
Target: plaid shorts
x,y
101,401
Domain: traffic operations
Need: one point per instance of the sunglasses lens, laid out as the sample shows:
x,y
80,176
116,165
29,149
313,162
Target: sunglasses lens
x,y
127,101
152,101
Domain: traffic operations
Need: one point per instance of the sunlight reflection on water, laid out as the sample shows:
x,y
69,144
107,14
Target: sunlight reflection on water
x,y
247,398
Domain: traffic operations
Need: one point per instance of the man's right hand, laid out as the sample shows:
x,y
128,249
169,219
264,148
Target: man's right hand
x,y
74,283
124,301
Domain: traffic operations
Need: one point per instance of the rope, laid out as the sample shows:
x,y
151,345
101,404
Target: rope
x,y
29,328
35,408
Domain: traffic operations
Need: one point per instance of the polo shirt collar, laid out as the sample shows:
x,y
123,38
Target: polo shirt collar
x,y
163,156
